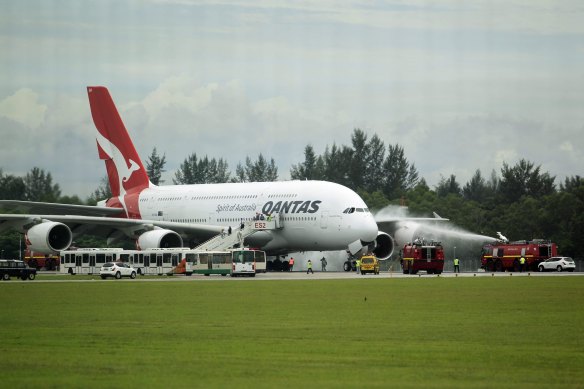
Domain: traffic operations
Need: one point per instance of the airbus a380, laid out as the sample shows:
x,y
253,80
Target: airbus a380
x,y
316,215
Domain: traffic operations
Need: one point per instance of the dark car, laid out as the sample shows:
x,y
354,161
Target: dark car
x,y
14,268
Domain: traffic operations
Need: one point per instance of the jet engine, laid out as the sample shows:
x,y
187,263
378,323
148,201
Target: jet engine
x,y
384,245
49,237
159,238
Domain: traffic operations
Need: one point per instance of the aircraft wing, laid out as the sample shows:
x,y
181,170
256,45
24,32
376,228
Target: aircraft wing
x,y
108,226
34,207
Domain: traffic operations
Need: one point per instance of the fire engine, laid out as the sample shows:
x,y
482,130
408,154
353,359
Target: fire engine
x,y
422,255
38,260
503,256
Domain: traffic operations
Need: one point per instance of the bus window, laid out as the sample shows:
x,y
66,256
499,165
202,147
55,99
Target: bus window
x,y
191,258
100,258
203,259
223,258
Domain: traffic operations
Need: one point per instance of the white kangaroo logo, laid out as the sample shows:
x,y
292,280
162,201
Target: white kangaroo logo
x,y
124,172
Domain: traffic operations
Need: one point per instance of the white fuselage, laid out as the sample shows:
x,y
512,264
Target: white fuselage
x,y
312,212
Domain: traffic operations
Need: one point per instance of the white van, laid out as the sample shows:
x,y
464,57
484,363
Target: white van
x,y
243,263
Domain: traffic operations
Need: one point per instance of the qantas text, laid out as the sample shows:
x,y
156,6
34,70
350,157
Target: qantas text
x,y
291,206
271,207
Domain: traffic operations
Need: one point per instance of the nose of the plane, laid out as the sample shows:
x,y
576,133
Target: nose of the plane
x,y
369,229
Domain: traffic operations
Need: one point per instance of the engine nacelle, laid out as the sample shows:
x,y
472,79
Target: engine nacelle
x,y
406,233
384,245
49,237
159,238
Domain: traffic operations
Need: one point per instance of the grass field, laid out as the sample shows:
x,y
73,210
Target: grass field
x,y
502,332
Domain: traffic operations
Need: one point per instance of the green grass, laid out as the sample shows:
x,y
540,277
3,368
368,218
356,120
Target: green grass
x,y
502,332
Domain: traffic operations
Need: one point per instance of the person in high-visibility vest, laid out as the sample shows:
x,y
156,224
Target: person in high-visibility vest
x,y
522,263
291,264
358,265
456,265
309,267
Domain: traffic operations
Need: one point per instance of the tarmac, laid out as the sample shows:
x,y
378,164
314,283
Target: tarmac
x,y
297,275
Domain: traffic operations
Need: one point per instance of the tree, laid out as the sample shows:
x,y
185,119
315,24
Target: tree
x,y
448,186
524,179
476,189
258,171
398,174
11,187
360,161
310,169
374,173
571,184
102,192
155,167
337,164
39,186
375,200
201,171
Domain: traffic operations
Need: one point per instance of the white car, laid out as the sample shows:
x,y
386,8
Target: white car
x,y
557,263
117,270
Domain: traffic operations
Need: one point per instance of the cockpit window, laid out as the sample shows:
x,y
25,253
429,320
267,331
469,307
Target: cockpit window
x,y
353,210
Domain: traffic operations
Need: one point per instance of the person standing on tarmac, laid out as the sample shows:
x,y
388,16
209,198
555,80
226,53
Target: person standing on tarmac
x,y
323,264
290,264
309,267
456,265
358,265
521,264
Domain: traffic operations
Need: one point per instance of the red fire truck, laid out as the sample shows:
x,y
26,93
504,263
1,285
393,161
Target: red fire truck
x,y
503,256
422,255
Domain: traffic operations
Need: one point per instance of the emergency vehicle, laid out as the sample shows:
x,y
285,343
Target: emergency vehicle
x,y
422,255
503,256
39,260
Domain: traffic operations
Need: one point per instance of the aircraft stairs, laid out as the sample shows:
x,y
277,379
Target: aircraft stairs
x,y
226,241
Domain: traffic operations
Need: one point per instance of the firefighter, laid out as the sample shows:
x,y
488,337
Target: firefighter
x,y
456,265
358,265
521,264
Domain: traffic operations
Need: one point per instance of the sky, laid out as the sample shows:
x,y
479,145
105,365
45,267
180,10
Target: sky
x,y
460,85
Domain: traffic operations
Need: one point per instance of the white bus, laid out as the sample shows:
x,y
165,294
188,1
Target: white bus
x,y
166,261
88,261
157,261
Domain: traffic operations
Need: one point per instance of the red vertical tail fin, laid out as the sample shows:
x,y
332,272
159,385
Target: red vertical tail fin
x,y
125,170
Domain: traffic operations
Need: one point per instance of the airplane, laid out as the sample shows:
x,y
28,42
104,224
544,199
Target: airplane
x,y
315,215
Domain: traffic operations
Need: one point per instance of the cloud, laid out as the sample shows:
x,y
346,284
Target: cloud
x,y
23,107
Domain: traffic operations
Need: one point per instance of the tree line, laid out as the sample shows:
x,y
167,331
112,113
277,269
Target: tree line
x,y
520,200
